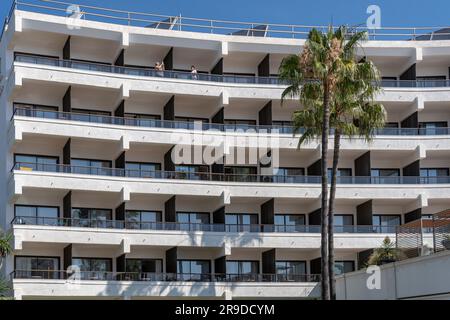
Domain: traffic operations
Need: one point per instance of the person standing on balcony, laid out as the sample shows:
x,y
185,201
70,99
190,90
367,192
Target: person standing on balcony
x,y
159,67
194,73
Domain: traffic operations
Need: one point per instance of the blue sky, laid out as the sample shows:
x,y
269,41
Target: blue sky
x,y
351,12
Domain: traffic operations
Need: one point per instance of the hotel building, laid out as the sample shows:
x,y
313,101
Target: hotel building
x,y
97,205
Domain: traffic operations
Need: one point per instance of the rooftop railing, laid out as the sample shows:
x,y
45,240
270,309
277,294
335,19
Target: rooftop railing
x,y
221,27
191,227
149,72
161,277
169,124
208,176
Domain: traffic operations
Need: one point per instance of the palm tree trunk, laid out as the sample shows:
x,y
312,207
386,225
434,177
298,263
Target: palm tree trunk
x,y
325,283
336,153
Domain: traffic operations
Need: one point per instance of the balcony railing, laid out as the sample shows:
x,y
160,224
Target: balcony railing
x,y
168,124
149,72
161,277
145,72
221,27
208,176
193,227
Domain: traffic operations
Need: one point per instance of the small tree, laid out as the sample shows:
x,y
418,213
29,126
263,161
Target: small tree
x,y
386,253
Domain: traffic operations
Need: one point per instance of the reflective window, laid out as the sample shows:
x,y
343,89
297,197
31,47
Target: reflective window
x,y
36,162
191,221
291,270
289,222
89,166
37,215
194,270
143,265
386,223
93,218
242,222
143,169
241,174
192,172
136,219
341,267
94,268
37,267
242,270
91,115
38,111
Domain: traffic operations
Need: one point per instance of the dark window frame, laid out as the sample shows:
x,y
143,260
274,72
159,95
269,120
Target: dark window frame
x,y
111,260
86,159
32,256
144,259
292,261
36,155
238,261
36,206
88,112
20,53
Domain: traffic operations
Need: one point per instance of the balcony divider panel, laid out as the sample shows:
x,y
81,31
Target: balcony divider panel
x,y
413,215
169,109
264,67
67,254
67,152
364,214
409,74
67,100
220,265
66,49
120,212
363,165
67,207
268,212
218,68
219,216
121,263
219,117
315,169
168,60
315,218
120,61
412,170
363,257
265,115
412,121
120,110
171,260
315,266
170,210
268,262
120,161
168,163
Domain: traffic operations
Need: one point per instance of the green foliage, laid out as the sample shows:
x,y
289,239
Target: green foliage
x,y
5,244
386,252
4,288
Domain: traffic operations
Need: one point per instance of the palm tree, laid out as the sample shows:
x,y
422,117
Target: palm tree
x,y
341,97
5,249
320,60
354,113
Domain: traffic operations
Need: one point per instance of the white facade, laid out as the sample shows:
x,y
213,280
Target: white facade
x,y
104,102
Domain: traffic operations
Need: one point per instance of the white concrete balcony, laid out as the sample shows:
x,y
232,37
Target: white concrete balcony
x,y
221,186
60,72
42,288
130,131
111,233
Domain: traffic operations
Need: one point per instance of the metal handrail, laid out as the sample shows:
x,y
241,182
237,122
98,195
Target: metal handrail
x,y
192,227
198,125
209,176
145,72
208,77
181,23
163,277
